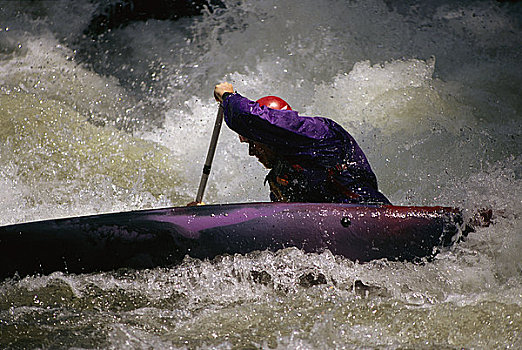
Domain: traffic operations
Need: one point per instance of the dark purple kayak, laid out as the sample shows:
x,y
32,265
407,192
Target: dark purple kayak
x,y
163,237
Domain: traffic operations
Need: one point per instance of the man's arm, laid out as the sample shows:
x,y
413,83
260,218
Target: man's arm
x,y
272,127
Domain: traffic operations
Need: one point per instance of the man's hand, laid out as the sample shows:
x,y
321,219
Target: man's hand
x,y
220,89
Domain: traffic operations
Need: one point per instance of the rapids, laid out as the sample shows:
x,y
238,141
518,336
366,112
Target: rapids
x,y
431,90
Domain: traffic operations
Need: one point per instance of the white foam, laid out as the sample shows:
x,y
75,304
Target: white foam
x,y
430,92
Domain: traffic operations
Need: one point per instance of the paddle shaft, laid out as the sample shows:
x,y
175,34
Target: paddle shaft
x,y
210,155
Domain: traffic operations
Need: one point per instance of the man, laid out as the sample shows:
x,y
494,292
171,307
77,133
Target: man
x,y
312,159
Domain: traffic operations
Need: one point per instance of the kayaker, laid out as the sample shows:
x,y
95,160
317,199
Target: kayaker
x,y
311,159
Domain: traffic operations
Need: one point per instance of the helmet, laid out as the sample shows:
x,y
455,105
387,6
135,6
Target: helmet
x,y
274,102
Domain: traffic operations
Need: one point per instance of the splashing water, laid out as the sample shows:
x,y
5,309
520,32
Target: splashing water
x,y
430,90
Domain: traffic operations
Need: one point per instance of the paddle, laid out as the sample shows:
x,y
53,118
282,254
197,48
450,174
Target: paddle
x,y
210,155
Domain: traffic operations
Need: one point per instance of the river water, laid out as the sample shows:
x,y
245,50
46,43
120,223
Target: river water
x,y
430,89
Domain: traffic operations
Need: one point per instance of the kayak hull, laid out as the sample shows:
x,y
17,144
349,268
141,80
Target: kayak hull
x,y
163,237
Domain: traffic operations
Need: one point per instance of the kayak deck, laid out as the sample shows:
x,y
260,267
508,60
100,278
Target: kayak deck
x,y
163,237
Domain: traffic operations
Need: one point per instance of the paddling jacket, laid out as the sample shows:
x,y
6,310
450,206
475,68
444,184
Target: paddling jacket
x,y
318,162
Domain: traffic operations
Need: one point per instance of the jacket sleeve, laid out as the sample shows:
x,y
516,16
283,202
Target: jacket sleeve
x,y
279,129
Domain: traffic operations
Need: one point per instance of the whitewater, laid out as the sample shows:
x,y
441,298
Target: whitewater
x,y
121,120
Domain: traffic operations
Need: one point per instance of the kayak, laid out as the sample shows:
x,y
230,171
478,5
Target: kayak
x,y
163,237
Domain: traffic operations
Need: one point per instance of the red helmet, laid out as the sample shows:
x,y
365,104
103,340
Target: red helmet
x,y
274,102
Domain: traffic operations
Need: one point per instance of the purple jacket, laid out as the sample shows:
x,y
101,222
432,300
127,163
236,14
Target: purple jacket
x,y
319,160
